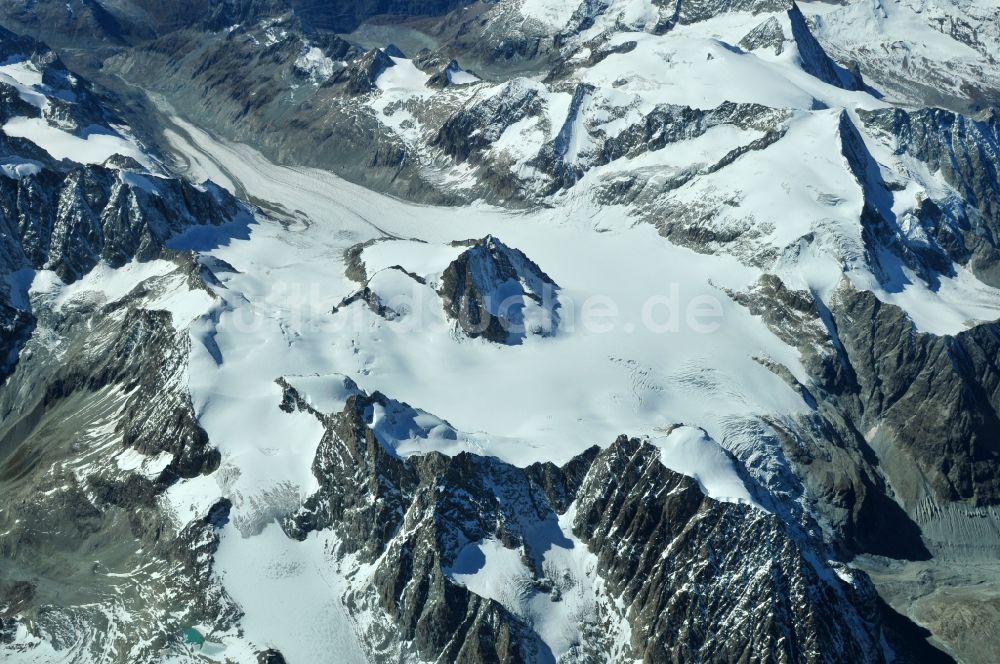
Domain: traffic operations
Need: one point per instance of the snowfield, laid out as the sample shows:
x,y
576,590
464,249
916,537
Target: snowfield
x,y
91,146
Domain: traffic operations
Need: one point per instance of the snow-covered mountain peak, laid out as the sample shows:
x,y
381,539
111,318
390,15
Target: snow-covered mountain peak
x,y
496,292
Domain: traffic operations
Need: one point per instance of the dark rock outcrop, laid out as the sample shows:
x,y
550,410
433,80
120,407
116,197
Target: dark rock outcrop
x,y
887,247
117,216
390,512
474,128
108,382
553,157
12,105
693,11
361,75
447,76
966,152
346,16
681,562
814,60
929,405
496,292
768,34
668,124
937,398
270,656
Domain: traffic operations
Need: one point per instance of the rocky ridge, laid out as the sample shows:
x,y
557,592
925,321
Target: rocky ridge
x,y
97,419
622,503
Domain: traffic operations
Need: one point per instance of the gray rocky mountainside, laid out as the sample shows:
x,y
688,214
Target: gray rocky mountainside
x,y
263,400
498,293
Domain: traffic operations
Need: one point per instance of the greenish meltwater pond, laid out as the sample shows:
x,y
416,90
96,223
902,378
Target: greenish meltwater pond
x,y
194,637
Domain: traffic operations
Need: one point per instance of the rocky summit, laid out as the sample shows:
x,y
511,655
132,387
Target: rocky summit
x,y
541,331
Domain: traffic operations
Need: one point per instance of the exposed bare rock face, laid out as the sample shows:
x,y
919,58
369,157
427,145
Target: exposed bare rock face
x,y
497,293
